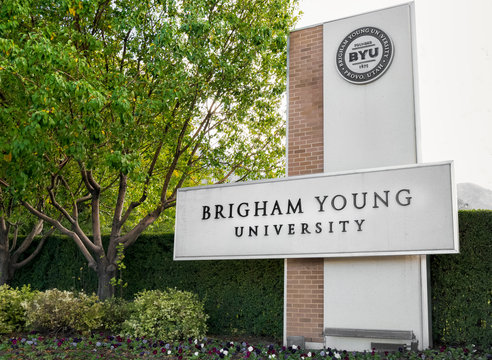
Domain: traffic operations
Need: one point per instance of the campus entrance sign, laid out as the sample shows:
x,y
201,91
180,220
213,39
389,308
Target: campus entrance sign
x,y
404,210
358,212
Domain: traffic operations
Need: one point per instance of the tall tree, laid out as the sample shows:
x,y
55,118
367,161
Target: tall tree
x,y
111,106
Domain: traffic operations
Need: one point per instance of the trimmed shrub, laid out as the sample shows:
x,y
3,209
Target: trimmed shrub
x,y
462,285
115,312
167,315
12,313
57,311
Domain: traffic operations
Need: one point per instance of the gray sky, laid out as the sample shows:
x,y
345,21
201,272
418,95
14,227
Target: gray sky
x,y
454,49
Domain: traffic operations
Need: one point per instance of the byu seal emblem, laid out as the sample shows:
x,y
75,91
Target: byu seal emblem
x,y
364,55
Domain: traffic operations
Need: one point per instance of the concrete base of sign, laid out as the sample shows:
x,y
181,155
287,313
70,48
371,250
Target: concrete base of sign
x,y
385,340
314,346
370,296
297,341
301,342
381,340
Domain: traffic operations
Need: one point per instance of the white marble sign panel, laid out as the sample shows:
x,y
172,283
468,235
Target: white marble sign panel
x,y
404,210
370,90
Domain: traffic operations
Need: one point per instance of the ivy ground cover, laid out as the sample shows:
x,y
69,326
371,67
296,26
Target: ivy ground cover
x,y
99,346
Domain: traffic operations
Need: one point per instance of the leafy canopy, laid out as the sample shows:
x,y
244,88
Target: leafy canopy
x,y
182,91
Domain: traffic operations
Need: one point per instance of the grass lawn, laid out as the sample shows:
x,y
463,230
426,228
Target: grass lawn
x,y
100,346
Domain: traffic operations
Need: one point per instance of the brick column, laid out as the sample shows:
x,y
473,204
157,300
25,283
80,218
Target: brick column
x,y
304,280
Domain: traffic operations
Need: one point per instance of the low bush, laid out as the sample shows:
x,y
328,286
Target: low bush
x,y
12,314
115,312
57,311
170,315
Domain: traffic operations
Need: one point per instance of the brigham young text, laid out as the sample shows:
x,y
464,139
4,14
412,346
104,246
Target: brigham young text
x,y
288,209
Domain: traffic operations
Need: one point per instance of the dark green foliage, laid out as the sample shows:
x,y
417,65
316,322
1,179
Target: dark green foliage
x,y
462,285
241,297
59,265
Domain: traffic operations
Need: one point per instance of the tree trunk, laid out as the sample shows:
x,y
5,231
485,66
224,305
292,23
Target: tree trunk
x,y
5,274
105,272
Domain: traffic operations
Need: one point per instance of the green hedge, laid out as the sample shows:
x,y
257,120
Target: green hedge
x,y
246,297
241,297
462,285
59,265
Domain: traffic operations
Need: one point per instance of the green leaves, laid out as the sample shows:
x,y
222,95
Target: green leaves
x,y
54,310
171,315
126,163
12,314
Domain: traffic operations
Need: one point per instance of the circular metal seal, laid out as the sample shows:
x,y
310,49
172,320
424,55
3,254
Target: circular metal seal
x,y
364,55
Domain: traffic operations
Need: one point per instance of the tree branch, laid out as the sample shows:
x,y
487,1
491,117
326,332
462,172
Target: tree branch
x,y
97,17
177,154
135,204
95,207
125,40
130,237
118,210
16,235
234,168
57,206
18,265
83,199
36,230
93,182
82,245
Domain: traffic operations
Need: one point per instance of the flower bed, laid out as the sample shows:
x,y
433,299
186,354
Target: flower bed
x,y
99,346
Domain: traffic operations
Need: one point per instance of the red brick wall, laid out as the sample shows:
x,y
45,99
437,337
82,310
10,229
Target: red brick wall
x,y
305,142
305,298
304,288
